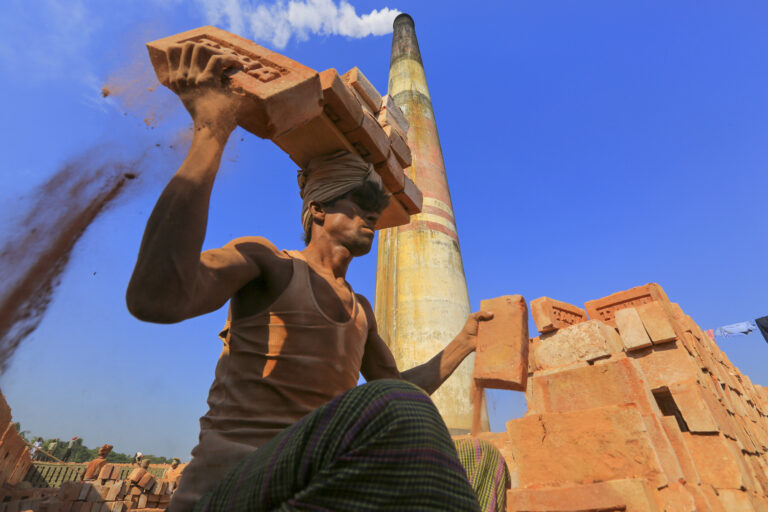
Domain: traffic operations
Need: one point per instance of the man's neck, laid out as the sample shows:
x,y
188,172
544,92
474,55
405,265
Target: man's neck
x,y
328,257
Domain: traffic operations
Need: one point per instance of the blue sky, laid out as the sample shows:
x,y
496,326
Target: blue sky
x,y
590,147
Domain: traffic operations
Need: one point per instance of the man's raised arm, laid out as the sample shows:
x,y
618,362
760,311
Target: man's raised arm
x,y
171,280
379,363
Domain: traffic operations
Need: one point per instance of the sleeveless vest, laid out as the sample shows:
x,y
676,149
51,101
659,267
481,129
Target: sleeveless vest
x,y
275,367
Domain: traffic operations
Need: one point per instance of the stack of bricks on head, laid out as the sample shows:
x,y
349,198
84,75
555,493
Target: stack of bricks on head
x,y
631,407
310,114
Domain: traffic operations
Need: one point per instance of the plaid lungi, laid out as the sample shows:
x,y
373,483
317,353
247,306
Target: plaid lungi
x,y
487,473
380,446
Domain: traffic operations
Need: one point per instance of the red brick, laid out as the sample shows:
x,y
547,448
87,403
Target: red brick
x,y
501,359
550,314
70,491
136,475
391,114
116,492
21,467
394,214
605,309
410,197
365,89
613,383
676,498
369,140
717,461
631,329
399,146
147,481
5,411
757,472
713,500
573,389
665,364
656,323
105,473
672,430
280,94
341,105
630,495
581,342
315,138
736,501
391,173
606,443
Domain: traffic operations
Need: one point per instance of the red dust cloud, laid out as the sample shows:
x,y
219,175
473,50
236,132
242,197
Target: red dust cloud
x,y
34,257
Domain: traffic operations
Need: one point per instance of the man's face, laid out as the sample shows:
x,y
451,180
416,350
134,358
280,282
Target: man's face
x,y
351,226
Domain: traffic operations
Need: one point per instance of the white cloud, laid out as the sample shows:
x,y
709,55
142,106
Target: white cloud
x,y
278,22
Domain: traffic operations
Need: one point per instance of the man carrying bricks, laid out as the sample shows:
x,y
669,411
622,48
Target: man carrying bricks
x,y
287,428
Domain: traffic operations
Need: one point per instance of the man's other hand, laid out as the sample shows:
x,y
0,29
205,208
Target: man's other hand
x,y
468,335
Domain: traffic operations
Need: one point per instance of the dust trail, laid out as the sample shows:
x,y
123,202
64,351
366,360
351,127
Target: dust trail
x,y
33,257
38,247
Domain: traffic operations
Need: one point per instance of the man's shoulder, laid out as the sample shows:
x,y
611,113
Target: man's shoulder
x,y
367,308
363,300
255,247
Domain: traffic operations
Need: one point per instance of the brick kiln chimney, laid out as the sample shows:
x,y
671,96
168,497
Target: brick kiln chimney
x,y
421,292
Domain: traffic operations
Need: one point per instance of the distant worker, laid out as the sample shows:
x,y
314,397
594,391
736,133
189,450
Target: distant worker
x,y
70,446
287,425
52,445
34,452
138,458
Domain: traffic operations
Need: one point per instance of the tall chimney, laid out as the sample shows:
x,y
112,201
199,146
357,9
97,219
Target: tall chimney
x,y
421,292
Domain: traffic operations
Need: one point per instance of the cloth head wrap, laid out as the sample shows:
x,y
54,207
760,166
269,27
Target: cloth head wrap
x,y
331,176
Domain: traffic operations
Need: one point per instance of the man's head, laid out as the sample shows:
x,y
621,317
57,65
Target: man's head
x,y
175,462
343,198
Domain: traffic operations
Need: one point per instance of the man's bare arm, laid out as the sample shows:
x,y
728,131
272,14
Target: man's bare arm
x,y
379,363
172,280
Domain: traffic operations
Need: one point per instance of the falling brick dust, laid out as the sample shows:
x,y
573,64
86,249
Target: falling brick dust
x,y
34,255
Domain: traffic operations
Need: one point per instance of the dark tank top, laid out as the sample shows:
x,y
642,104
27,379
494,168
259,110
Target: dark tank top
x,y
275,367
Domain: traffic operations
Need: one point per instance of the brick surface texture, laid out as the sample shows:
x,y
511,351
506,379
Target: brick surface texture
x,y
501,359
635,409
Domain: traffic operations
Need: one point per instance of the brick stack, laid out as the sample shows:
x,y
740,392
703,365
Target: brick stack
x,y
309,114
15,460
635,409
108,493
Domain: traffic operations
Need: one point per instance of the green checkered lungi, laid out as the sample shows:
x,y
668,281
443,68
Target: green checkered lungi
x,y
380,446
487,473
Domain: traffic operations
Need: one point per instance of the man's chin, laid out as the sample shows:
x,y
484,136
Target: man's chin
x,y
361,248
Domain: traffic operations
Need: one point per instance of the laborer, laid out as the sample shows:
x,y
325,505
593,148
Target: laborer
x,y
287,427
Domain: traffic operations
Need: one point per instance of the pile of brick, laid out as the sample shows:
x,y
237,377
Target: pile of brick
x,y
310,114
23,498
632,407
15,460
107,493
